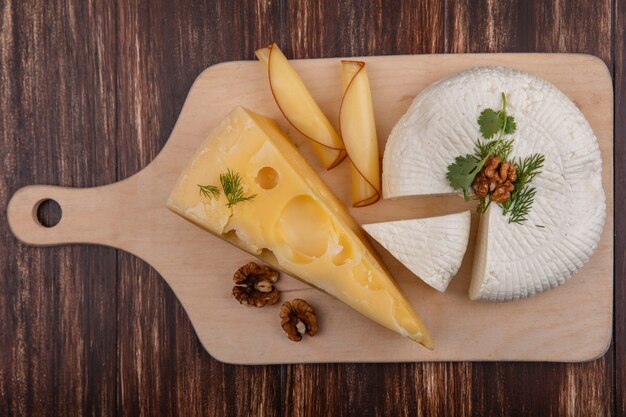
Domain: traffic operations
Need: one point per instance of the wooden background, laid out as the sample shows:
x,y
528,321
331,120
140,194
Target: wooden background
x,y
89,93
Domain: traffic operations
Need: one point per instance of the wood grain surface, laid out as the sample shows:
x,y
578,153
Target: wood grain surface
x,y
90,92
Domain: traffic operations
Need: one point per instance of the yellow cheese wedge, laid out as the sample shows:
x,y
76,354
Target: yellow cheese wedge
x,y
294,222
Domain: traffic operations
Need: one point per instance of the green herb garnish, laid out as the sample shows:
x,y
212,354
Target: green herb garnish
x,y
492,122
462,172
500,148
231,184
520,207
523,195
528,168
233,190
209,190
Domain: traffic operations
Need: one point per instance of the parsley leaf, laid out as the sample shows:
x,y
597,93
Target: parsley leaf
x,y
490,123
509,124
462,171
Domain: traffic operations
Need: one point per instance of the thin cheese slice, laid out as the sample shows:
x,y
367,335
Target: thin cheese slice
x,y
512,261
431,248
294,223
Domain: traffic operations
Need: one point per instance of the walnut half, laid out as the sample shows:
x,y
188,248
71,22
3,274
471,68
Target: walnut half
x,y
297,318
255,285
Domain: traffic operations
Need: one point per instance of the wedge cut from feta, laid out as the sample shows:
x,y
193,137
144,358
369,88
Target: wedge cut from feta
x,y
512,261
290,220
431,248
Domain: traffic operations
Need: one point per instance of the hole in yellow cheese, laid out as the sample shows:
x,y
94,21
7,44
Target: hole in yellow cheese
x,y
267,178
268,256
237,238
305,227
232,236
346,252
365,278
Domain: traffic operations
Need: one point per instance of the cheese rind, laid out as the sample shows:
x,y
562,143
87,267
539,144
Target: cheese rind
x,y
431,248
293,223
512,261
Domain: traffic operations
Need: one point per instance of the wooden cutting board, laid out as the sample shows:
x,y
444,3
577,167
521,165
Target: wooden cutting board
x,y
570,323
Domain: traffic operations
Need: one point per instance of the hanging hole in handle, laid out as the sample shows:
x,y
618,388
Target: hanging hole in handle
x,y
48,213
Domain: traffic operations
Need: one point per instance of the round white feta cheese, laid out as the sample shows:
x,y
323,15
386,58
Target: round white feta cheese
x,y
512,261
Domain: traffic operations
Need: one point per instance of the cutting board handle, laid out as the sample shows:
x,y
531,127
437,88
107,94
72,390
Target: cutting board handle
x,y
82,211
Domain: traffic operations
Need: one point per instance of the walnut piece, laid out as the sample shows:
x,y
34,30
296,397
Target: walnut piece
x,y
297,318
502,192
255,285
496,178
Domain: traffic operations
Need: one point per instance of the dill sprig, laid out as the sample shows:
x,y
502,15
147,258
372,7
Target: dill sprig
x,y
528,168
500,148
233,190
520,207
231,184
209,191
523,196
